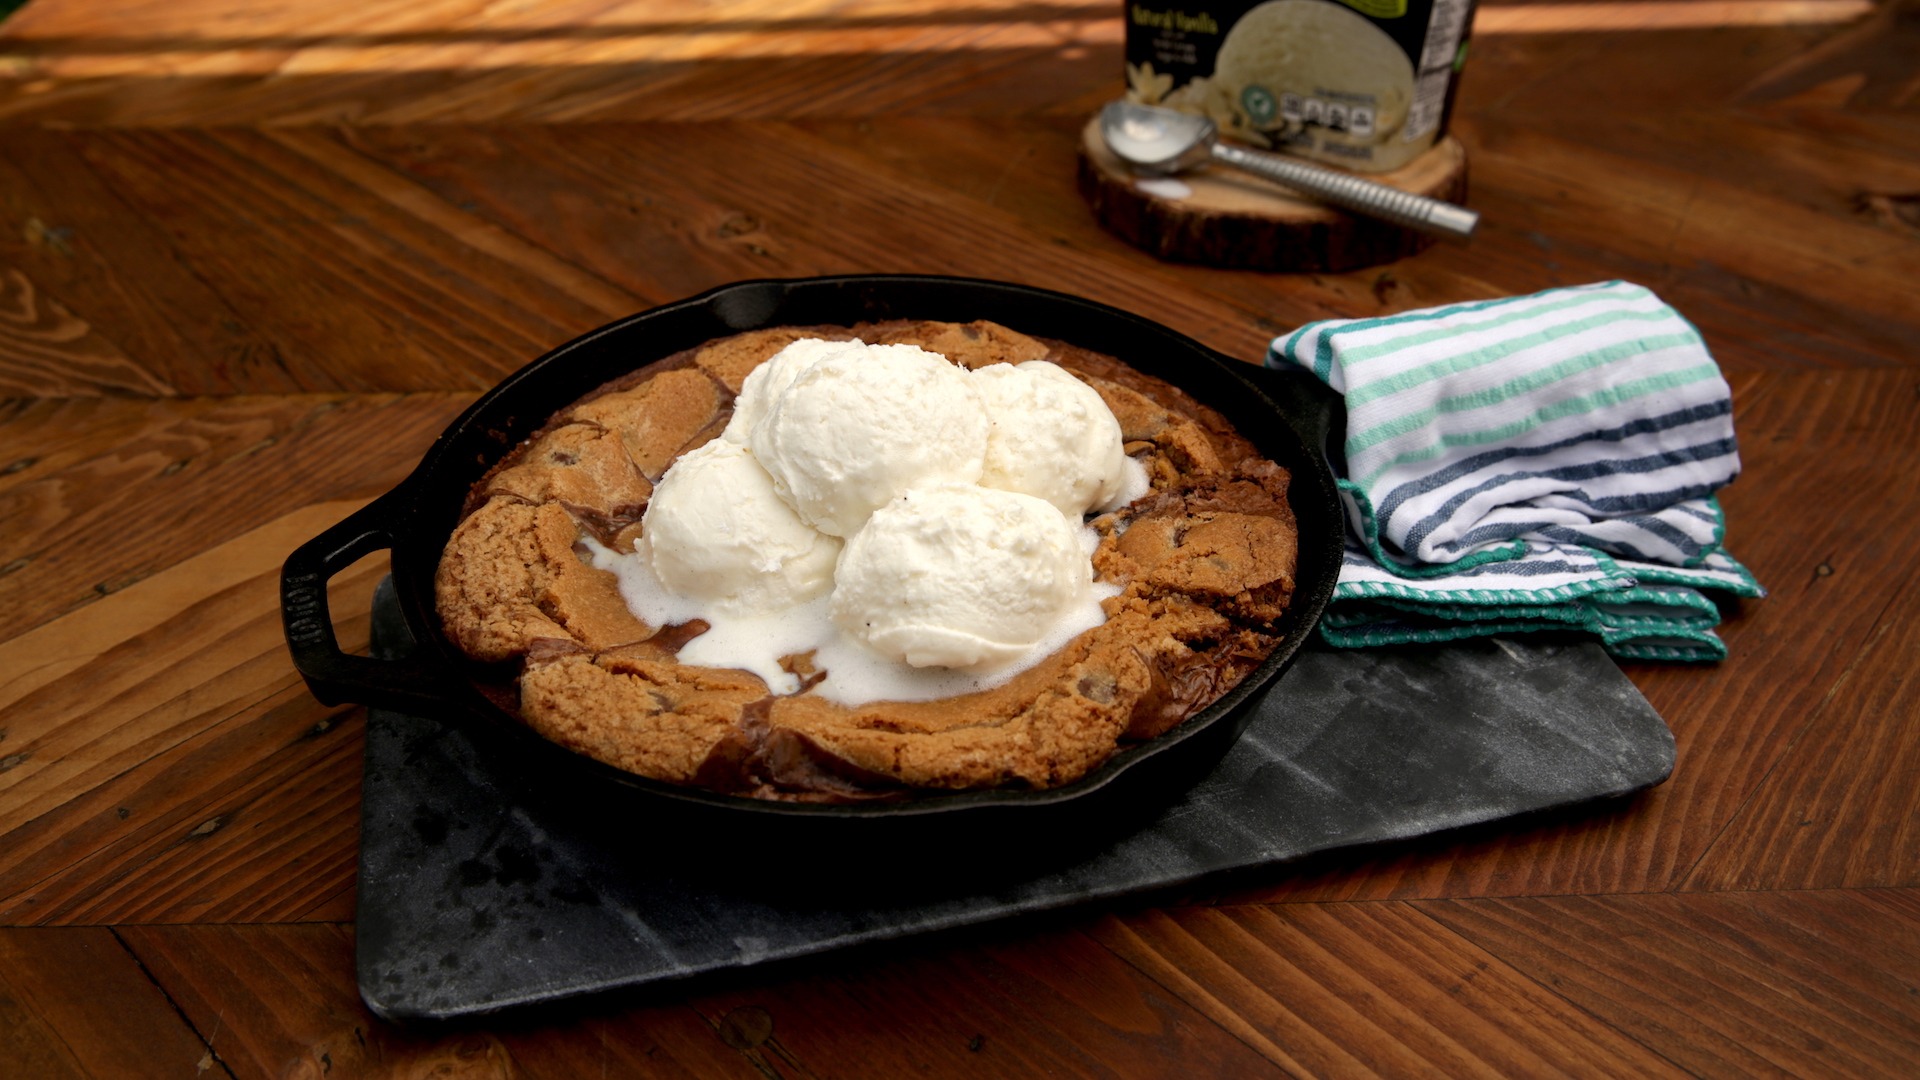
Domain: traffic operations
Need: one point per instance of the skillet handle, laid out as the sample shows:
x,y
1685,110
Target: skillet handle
x,y
407,684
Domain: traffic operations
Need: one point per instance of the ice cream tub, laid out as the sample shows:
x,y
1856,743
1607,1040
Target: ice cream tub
x,y
1365,84
414,520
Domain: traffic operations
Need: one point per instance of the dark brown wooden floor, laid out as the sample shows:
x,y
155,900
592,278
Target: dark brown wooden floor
x,y
253,256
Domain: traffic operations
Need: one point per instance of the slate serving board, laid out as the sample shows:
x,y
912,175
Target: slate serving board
x,y
478,892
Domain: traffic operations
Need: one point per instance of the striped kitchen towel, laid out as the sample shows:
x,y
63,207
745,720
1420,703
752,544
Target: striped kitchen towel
x,y
1538,462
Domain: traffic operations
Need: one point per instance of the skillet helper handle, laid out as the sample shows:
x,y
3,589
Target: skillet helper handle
x,y
1353,193
335,677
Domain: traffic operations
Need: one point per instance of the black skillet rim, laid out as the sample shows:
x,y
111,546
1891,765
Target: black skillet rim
x,y
424,508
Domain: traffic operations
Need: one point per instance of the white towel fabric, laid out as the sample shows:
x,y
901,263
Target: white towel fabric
x,y
1537,462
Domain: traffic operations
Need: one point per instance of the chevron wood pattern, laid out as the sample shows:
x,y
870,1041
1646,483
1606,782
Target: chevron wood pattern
x,y
255,256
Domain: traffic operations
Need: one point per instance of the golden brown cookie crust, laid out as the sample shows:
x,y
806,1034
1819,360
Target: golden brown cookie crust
x,y
1205,563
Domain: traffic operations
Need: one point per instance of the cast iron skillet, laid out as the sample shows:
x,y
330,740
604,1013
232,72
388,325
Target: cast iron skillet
x,y
415,519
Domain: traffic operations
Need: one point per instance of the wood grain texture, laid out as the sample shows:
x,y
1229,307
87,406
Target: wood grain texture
x,y
811,205
76,1003
1369,989
91,253
1866,58
1692,225
1841,810
47,351
805,208
1010,1003
339,274
190,473
453,60
279,1002
254,256
1785,983
253,820
193,746
287,263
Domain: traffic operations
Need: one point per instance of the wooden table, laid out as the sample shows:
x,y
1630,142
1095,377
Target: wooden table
x,y
253,256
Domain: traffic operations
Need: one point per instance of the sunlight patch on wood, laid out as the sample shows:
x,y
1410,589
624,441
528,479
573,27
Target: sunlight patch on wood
x,y
1664,15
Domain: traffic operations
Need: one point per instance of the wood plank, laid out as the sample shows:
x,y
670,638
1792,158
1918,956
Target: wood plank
x,y
1009,76
114,267
1528,269
1824,817
1874,56
1589,16
654,237
1801,984
1832,582
47,351
74,1002
354,286
1369,989
77,643
77,474
602,1039
1716,298
68,644
137,729
253,820
1643,212
1541,231
1000,1002
27,1043
481,237
1648,71
453,60
786,217
1050,1002
341,907
1817,157
280,1001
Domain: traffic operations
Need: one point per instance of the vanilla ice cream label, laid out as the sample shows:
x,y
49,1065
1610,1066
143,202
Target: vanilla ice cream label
x,y
1361,83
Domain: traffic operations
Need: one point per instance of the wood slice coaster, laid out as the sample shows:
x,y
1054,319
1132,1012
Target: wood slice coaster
x,y
1227,218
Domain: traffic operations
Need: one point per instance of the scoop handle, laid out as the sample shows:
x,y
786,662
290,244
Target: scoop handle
x,y
1350,192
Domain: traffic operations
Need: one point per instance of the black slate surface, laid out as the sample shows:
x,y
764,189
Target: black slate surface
x,y
478,892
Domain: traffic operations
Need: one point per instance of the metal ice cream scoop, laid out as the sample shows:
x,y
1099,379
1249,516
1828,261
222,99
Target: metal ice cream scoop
x,y
1160,142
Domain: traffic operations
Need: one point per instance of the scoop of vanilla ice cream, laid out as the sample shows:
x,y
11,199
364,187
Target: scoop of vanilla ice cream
x,y
955,575
716,530
1052,436
855,429
764,383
